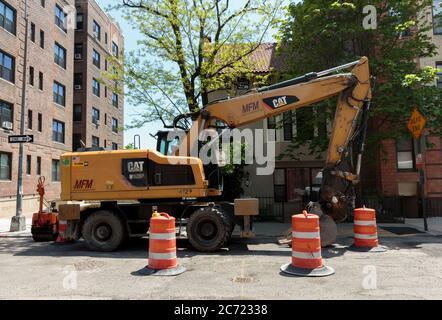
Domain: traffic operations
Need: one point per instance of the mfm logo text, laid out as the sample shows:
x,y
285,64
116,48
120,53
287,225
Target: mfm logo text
x,y
250,107
84,184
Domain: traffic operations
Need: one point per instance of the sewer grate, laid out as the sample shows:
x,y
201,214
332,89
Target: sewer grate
x,y
400,231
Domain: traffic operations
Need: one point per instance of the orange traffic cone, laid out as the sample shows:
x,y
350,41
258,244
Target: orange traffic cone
x,y
162,247
61,231
365,231
306,248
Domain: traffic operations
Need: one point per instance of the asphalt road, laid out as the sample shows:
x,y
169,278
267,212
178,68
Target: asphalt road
x,y
249,269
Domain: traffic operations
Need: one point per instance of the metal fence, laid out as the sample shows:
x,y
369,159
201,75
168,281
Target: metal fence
x,y
388,209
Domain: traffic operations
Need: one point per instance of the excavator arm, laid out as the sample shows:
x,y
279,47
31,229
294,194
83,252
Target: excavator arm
x,y
354,91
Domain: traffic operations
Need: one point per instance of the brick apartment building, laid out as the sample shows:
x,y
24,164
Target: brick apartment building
x,y
98,106
49,107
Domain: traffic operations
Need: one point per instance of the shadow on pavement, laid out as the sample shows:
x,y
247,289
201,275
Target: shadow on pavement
x,y
259,246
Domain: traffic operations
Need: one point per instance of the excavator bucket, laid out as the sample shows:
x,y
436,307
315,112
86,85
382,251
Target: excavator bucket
x,y
328,228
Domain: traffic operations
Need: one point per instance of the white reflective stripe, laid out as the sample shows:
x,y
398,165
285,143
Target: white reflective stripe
x,y
366,236
162,236
365,223
305,235
62,222
306,255
162,256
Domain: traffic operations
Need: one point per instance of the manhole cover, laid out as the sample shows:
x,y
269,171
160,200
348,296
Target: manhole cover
x,y
401,230
243,279
88,265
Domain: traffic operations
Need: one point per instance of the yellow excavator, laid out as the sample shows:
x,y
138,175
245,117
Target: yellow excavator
x,y
108,196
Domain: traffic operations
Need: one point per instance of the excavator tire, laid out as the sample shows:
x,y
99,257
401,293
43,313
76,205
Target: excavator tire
x,y
104,230
209,229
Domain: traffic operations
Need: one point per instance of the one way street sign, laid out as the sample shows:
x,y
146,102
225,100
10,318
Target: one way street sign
x,y
21,139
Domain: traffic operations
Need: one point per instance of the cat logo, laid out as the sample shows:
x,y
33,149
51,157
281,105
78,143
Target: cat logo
x,y
280,101
135,166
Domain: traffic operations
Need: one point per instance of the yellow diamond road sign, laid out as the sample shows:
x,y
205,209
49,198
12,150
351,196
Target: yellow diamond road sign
x,y
416,124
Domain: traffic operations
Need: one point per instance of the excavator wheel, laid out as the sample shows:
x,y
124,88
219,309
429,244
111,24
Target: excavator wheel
x,y
104,230
209,229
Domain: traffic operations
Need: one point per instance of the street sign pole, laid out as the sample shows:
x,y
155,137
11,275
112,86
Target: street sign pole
x,y
421,150
18,222
416,125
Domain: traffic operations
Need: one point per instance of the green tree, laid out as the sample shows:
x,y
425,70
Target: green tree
x,y
189,48
321,34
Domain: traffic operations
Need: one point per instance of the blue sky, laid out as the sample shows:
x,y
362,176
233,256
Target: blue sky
x,y
131,37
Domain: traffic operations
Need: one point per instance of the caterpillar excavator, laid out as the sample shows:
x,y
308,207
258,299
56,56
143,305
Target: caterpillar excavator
x,y
108,196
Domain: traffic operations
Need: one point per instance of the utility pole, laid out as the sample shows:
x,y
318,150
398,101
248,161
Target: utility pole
x,y
421,145
18,222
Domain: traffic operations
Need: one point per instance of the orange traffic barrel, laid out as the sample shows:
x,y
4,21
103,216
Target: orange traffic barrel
x,y
62,224
306,248
162,247
365,230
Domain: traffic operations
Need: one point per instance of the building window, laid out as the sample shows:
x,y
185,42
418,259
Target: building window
x,y
96,58
115,51
38,169
5,166
6,110
7,17
30,119
42,39
40,81
78,113
31,76
115,100
96,87
304,123
437,19
7,66
32,32
114,125
80,18
59,91
105,143
55,170
96,30
78,51
60,18
288,126
57,131
105,120
40,122
95,116
43,3
76,143
439,74
280,188
95,142
405,154
60,55
78,81
114,146
105,37
28,164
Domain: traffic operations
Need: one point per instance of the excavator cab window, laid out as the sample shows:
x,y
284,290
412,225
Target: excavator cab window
x,y
164,146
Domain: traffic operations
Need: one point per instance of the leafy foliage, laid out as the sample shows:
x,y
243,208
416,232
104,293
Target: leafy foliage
x,y
189,48
321,34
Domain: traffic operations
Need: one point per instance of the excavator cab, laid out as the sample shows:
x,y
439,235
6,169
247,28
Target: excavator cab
x,y
165,146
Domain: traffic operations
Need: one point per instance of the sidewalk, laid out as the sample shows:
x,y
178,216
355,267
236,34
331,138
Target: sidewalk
x,y
434,225
5,224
